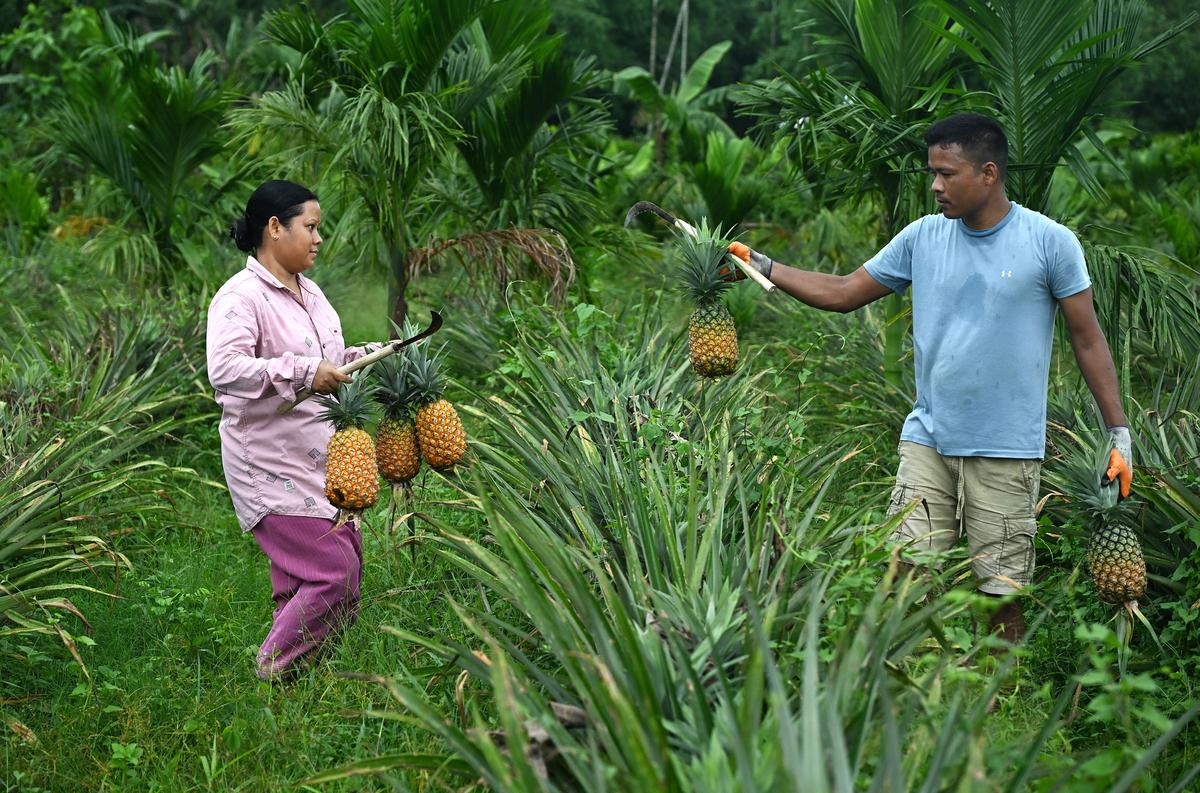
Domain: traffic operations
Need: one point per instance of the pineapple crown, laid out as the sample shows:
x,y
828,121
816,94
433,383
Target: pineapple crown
x,y
393,387
703,259
350,406
425,382
1084,468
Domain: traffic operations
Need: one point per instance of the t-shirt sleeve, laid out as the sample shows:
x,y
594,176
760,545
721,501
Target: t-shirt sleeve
x,y
892,266
1066,267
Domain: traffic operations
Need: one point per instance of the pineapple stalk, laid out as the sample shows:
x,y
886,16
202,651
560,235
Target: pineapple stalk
x,y
396,449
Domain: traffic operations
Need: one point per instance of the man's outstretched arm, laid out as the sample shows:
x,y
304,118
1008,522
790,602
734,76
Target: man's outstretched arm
x,y
842,293
825,291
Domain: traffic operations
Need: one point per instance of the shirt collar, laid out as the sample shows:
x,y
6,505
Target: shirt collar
x,y
257,267
1013,206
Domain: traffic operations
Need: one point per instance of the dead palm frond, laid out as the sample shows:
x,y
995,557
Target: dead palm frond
x,y
500,255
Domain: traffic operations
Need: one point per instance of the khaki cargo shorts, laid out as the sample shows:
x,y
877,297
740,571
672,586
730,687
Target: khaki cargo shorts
x,y
992,499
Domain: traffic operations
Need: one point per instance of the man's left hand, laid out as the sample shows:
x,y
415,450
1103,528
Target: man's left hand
x,y
1120,460
758,261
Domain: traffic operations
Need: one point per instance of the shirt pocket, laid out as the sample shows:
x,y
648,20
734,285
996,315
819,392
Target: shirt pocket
x,y
333,346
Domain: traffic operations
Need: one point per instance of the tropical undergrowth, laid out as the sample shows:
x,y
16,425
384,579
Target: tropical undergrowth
x,y
677,594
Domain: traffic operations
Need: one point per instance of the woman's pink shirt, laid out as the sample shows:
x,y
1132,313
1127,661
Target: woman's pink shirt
x,y
263,345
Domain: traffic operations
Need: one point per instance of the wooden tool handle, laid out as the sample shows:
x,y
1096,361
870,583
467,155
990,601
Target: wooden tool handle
x,y
358,363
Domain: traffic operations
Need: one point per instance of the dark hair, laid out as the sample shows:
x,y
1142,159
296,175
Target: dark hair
x,y
276,198
981,138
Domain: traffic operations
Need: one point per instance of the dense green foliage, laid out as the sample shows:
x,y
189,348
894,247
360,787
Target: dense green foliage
x,y
638,580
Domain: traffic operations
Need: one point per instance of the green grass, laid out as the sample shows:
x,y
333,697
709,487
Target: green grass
x,y
173,703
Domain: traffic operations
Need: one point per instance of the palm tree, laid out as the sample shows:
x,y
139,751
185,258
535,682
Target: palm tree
x,y
686,112
388,97
147,130
865,129
363,113
1046,66
530,150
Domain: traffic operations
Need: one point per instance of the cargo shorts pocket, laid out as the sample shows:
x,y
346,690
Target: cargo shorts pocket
x,y
899,498
1011,565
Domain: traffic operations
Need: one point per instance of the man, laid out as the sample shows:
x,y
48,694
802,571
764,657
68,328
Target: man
x,y
987,276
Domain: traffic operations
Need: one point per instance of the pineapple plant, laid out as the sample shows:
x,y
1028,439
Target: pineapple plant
x,y
440,433
396,450
351,477
712,337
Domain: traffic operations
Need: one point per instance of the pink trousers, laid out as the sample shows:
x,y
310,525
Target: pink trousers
x,y
315,576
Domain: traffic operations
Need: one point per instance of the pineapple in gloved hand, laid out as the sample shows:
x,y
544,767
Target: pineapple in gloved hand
x,y
1114,554
1099,479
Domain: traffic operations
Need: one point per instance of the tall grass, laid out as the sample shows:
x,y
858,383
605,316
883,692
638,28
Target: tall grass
x,y
80,400
670,601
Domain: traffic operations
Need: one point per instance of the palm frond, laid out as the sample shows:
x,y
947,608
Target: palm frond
x,y
1046,65
1142,300
501,254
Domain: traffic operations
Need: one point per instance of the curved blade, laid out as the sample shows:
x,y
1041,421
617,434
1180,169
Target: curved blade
x,y
646,206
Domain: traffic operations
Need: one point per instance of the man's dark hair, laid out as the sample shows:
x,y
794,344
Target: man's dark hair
x,y
981,138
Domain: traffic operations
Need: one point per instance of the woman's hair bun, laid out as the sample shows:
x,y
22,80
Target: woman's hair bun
x,y
239,232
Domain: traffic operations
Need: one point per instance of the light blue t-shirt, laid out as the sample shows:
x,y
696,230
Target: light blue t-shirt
x,y
983,305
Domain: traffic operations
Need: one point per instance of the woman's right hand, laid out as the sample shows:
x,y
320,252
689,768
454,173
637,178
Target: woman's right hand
x,y
328,378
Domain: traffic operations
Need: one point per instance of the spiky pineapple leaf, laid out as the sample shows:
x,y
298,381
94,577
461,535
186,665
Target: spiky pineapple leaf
x,y
1084,465
702,258
425,381
392,387
350,406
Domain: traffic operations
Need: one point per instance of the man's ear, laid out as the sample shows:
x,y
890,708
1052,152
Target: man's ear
x,y
991,173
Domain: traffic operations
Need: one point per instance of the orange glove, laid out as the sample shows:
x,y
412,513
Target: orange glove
x,y
751,257
1120,460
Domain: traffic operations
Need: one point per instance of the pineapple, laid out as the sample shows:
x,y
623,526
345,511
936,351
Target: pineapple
x,y
351,478
1114,560
712,338
1114,555
440,433
396,449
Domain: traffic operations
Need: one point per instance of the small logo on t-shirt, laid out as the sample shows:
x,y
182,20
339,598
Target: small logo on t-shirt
x,y
1006,273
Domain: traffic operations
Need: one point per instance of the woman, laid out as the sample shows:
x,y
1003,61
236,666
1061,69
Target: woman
x,y
270,332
